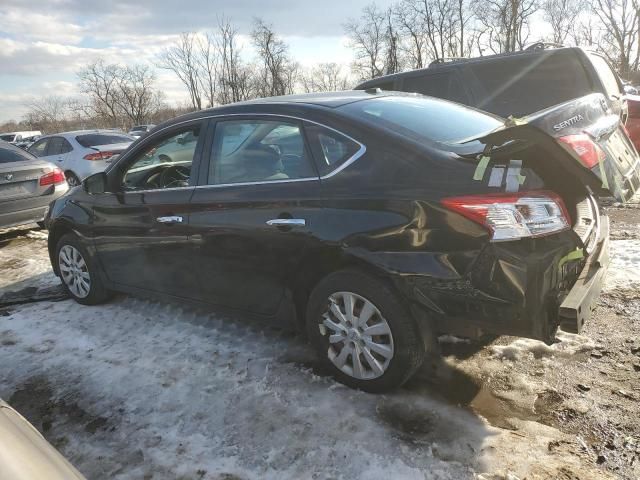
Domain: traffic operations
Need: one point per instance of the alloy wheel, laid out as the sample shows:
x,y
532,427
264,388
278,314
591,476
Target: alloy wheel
x,y
74,271
72,180
360,340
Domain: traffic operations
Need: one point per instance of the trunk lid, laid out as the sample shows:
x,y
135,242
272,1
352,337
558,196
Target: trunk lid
x,y
616,174
21,179
114,147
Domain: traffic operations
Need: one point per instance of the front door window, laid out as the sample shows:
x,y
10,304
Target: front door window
x,y
166,163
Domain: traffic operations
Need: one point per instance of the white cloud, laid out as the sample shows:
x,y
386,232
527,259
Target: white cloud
x,y
38,26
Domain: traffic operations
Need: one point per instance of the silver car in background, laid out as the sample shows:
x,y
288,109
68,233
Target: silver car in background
x,y
139,131
81,153
27,186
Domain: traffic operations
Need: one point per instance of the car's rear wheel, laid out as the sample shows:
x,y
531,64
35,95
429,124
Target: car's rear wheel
x,y
78,272
362,332
72,179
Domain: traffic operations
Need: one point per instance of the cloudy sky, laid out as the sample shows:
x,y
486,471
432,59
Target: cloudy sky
x,y
44,42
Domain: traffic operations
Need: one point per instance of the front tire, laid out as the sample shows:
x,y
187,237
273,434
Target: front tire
x,y
78,272
362,332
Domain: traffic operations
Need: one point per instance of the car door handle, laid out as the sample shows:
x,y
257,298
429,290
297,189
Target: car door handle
x,y
170,219
287,222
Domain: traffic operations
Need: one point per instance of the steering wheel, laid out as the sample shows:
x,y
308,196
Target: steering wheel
x,y
174,176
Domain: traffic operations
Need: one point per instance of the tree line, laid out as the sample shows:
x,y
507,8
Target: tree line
x,y
413,33
221,66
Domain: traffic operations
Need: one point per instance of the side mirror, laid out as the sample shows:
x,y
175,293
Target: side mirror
x,y
95,184
181,140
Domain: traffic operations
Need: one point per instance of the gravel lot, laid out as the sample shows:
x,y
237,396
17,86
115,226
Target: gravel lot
x,y
139,389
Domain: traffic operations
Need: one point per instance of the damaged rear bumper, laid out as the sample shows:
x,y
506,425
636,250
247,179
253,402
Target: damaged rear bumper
x,y
577,306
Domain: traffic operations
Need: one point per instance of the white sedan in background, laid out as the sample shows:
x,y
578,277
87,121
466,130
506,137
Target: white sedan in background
x,y
81,153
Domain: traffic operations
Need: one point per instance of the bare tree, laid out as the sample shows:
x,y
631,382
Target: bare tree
x,y
182,59
561,15
584,31
620,21
411,27
100,82
367,38
506,23
325,77
118,95
207,59
136,97
48,113
234,76
277,71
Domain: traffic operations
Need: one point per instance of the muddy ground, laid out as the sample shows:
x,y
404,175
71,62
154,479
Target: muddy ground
x,y
570,411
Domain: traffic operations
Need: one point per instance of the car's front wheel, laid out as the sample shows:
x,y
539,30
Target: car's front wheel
x,y
78,272
362,332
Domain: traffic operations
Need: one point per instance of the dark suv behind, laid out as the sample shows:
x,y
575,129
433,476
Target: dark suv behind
x,y
513,84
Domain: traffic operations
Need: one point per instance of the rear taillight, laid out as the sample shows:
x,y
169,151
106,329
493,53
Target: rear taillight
x,y
52,178
100,155
509,216
589,151
633,109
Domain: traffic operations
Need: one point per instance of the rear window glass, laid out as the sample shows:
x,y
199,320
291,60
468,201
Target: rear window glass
x,y
526,84
8,155
428,118
607,76
7,138
441,85
95,139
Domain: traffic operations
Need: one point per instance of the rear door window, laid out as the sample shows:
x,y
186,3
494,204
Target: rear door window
x,y
257,151
58,146
527,83
607,76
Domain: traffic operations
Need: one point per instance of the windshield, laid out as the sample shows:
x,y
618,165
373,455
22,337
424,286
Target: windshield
x,y
428,118
94,139
7,138
139,128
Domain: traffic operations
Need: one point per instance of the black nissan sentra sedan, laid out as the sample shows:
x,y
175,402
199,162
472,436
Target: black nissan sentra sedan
x,y
373,220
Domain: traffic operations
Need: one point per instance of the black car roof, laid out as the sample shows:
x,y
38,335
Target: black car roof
x,y
328,100
324,99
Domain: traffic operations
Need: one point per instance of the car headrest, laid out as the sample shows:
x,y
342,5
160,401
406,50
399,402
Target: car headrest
x,y
262,161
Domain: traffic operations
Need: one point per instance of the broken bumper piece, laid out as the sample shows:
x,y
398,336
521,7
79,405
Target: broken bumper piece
x,y
582,298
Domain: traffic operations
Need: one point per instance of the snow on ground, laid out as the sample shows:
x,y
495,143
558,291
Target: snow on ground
x,y
567,344
624,270
25,262
175,393
140,389
191,392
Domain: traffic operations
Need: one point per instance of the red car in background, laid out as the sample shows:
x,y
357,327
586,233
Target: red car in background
x,y
633,120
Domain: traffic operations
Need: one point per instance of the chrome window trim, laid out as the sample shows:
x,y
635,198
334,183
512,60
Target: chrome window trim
x,y
261,182
361,151
148,190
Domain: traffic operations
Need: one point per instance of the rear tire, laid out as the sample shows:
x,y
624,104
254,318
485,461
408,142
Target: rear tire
x,y
78,271
382,339
72,179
